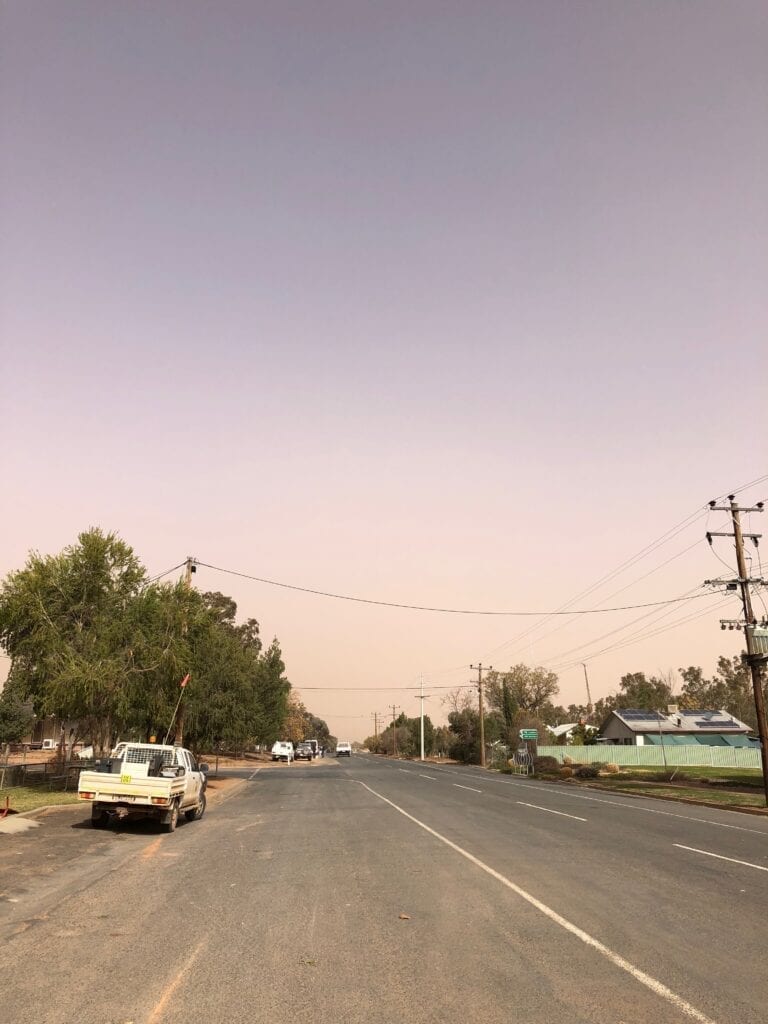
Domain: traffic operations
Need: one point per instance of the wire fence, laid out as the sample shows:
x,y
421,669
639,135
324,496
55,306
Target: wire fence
x,y
51,775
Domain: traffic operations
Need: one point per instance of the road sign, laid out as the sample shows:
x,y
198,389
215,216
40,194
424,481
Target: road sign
x,y
529,734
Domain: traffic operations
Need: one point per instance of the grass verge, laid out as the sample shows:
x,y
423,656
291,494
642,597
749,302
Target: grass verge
x,y
27,798
704,795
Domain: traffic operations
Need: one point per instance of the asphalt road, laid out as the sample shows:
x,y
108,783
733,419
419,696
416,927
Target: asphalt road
x,y
385,891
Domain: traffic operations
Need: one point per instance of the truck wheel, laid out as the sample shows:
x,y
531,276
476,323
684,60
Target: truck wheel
x,y
99,819
172,818
198,811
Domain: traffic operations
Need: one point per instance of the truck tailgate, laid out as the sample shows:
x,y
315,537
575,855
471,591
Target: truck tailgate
x,y
113,788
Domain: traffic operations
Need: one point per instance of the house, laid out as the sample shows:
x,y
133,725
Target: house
x,y
639,727
566,730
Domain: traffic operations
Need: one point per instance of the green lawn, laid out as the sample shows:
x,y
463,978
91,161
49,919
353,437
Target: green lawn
x,y
27,798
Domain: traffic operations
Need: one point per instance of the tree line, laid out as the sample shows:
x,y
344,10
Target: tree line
x,y
93,641
524,698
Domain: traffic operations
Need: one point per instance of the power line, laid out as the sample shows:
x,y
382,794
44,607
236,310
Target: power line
x,y
160,575
444,611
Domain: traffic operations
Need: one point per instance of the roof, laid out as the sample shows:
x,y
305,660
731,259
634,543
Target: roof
x,y
684,721
563,730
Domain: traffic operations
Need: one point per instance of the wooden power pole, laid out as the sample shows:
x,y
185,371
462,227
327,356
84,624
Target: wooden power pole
x,y
754,658
481,709
190,566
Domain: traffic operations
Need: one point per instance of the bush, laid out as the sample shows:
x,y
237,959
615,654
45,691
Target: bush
x,y
566,772
587,771
612,769
546,765
567,760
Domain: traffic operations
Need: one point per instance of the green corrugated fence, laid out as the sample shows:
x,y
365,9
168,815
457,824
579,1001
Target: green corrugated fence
x,y
695,754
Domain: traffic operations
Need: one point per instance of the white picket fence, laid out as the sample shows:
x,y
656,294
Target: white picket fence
x,y
695,754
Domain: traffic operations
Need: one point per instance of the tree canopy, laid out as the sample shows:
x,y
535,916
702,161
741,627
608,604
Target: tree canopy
x,y
91,640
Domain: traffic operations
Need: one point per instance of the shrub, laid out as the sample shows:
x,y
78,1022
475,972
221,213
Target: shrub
x,y
611,768
587,771
546,765
566,772
567,760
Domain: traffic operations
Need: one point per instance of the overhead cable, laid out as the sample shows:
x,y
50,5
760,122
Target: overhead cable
x,y
444,611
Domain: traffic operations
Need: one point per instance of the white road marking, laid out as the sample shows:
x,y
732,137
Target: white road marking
x,y
706,853
404,770
630,806
255,773
432,777
549,809
470,788
616,959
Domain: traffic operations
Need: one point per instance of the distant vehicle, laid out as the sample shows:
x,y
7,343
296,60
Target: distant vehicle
x,y
343,749
304,752
283,751
315,747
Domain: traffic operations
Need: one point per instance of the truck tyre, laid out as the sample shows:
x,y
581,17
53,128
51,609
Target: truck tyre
x,y
99,819
171,818
196,813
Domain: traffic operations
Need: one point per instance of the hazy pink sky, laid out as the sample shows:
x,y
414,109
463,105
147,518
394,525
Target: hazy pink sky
x,y
438,303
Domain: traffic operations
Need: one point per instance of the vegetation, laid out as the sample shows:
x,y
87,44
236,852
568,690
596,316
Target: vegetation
x,y
27,798
92,641
523,698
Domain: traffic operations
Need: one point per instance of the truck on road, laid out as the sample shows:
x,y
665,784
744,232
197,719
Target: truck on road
x,y
145,780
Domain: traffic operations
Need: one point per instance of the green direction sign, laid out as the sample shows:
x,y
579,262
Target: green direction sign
x,y
529,734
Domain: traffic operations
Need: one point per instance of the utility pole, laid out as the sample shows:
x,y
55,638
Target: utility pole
x,y
754,658
375,716
589,695
190,566
395,707
421,723
482,712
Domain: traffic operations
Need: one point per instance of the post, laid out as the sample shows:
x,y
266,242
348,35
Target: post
x,y
189,568
752,658
482,712
394,731
421,724
589,695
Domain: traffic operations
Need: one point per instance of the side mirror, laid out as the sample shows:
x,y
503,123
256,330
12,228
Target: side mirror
x,y
204,768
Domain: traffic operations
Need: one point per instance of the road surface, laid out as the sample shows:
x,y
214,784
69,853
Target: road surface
x,y
386,891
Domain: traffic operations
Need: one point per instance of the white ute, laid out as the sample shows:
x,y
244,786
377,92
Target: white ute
x,y
145,779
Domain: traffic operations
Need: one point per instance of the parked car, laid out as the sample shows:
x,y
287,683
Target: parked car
x,y
283,751
344,749
145,780
304,752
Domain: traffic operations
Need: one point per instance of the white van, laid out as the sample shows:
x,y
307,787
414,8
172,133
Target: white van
x,y
282,751
343,749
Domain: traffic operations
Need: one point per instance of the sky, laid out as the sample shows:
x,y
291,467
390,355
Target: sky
x,y
432,303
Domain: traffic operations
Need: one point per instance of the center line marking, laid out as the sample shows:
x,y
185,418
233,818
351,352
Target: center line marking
x,y
255,773
404,770
471,788
706,853
432,777
615,958
550,811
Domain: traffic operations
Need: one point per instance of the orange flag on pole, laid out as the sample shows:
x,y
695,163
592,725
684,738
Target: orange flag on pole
x,y
185,680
